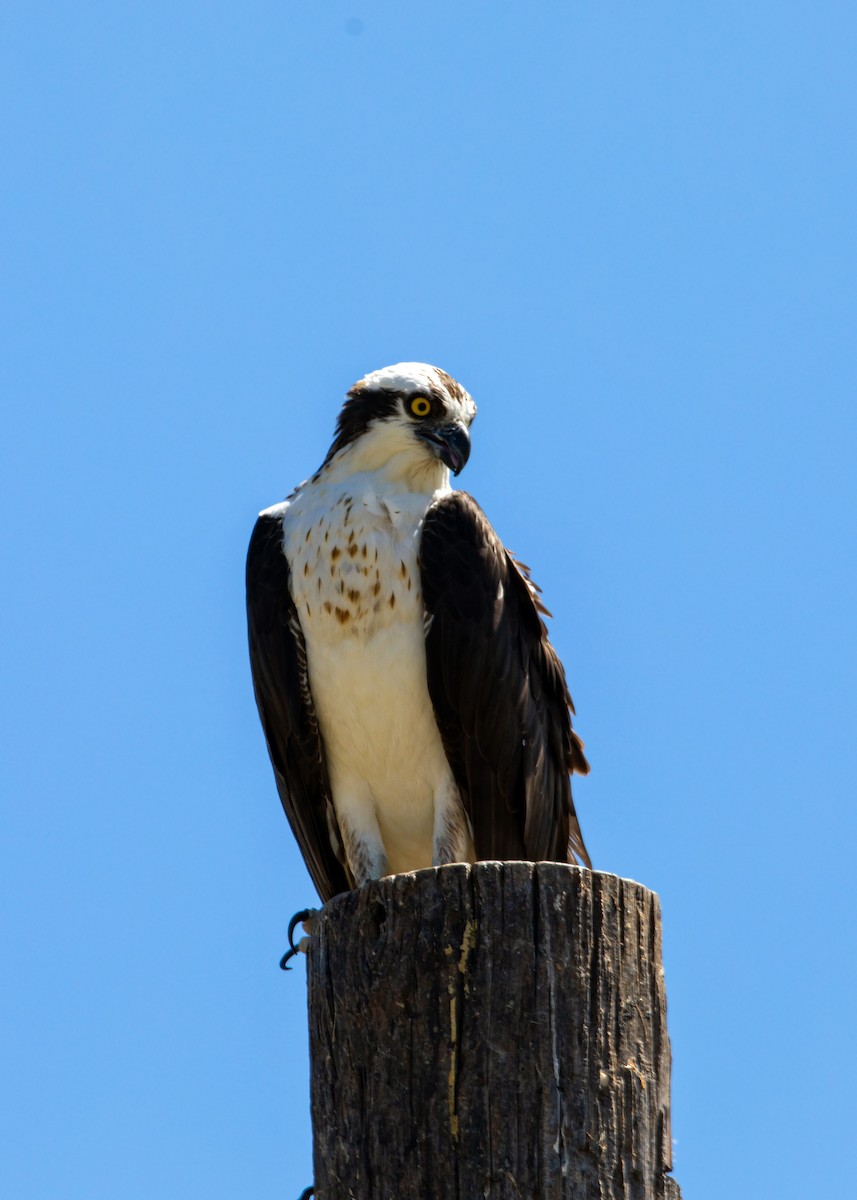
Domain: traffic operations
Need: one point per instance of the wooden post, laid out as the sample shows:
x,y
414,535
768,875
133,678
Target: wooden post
x,y
490,1031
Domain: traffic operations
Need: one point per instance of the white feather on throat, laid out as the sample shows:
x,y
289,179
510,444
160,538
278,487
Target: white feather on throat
x,y
351,538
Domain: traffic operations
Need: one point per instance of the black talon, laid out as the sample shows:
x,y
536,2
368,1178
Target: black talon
x,y
307,1192
303,915
289,954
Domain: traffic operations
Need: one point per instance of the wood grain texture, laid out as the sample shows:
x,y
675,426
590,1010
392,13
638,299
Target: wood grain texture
x,y
496,1030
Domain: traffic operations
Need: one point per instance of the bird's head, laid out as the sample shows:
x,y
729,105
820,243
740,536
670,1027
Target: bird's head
x,y
410,420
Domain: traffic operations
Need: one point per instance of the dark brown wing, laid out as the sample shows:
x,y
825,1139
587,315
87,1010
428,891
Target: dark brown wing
x,y
498,690
278,663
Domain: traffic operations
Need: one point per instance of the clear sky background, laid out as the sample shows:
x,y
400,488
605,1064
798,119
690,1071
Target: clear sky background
x,y
629,230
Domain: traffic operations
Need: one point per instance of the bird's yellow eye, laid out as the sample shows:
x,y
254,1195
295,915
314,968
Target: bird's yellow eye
x,y
420,407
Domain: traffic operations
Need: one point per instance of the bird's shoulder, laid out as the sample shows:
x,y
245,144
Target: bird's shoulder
x,y
460,544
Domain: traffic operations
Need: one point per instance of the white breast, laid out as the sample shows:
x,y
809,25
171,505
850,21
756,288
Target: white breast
x,y
352,550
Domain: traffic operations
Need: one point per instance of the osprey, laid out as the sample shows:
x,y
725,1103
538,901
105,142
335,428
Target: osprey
x,y
415,712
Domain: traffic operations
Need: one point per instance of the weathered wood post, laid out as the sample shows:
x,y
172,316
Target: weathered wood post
x,y
490,1031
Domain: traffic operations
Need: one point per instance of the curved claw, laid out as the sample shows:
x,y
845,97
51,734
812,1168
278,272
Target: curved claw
x,y
303,915
307,1192
297,919
289,954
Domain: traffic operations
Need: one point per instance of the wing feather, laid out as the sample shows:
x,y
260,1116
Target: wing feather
x,y
281,686
498,689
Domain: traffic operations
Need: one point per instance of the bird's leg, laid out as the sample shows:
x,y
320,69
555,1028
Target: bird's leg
x,y
306,1193
453,837
361,839
305,919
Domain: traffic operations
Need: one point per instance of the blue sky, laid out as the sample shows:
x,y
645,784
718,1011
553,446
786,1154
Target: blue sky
x,y
628,229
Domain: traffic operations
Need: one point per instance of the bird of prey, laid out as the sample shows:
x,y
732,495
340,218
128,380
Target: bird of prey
x,y
415,712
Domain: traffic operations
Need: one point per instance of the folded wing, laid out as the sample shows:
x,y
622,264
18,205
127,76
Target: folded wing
x,y
499,690
278,664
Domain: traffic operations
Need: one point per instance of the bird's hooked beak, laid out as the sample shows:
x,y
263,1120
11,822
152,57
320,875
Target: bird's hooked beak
x,y
451,444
